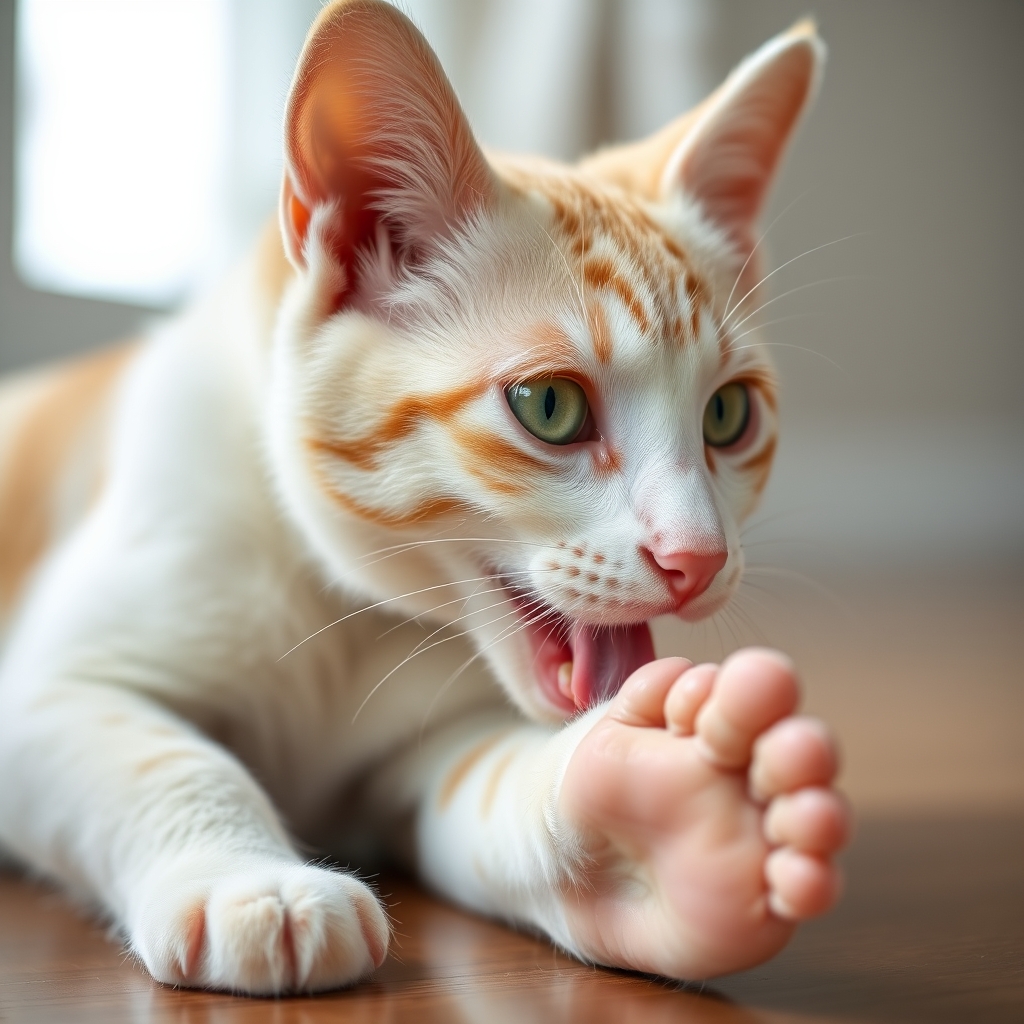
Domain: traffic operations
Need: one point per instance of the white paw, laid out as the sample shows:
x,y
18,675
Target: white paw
x,y
269,929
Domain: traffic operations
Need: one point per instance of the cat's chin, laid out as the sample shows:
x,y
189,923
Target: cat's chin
x,y
577,664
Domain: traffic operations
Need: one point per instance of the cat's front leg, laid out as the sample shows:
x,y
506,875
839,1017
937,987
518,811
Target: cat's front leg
x,y
133,808
682,829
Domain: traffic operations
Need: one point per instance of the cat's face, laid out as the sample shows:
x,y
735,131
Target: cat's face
x,y
522,408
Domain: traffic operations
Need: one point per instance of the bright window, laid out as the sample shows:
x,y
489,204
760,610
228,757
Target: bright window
x,y
121,149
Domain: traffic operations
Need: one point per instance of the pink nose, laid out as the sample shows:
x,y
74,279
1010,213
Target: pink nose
x,y
688,573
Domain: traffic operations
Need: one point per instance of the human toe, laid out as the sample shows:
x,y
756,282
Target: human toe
x,y
754,689
795,753
814,820
800,884
686,698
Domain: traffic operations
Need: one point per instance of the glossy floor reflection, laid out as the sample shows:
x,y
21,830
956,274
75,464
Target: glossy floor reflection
x,y
931,930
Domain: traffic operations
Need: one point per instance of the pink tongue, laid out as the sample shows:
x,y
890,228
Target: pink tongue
x,y
604,657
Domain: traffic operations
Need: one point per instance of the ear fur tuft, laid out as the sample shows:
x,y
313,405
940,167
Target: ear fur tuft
x,y
373,125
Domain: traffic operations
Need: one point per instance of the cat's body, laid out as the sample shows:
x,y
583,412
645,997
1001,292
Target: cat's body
x,y
195,526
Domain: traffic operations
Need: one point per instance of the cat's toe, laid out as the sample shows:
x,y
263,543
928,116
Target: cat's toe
x,y
270,930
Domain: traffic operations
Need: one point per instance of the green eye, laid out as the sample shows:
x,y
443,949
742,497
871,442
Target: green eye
x,y
552,408
726,415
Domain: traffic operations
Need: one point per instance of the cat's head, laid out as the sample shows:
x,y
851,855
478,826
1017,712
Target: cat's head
x,y
518,397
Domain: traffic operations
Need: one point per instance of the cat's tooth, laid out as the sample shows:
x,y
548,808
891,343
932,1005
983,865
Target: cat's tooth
x,y
565,678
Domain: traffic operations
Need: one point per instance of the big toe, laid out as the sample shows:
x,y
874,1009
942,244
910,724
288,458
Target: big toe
x,y
754,689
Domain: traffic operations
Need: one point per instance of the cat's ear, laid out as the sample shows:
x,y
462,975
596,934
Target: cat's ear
x,y
727,160
374,129
724,154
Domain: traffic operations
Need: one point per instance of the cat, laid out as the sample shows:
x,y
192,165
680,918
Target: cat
x,y
357,556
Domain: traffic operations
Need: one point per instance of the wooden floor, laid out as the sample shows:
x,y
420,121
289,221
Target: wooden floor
x,y
924,681
931,930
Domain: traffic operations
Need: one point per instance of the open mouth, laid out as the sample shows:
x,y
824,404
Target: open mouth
x,y
578,664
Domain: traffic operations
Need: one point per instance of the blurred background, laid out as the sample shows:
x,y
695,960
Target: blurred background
x,y
140,153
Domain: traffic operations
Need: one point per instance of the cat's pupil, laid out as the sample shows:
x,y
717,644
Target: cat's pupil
x,y
549,402
719,407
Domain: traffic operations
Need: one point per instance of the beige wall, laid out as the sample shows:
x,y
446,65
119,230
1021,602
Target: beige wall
x,y
918,139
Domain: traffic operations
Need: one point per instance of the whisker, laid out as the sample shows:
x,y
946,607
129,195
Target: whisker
x,y
568,271
405,661
445,604
399,597
793,291
768,323
504,634
799,577
750,256
446,625
798,348
800,256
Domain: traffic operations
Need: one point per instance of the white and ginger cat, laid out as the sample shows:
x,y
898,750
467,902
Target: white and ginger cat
x,y
501,396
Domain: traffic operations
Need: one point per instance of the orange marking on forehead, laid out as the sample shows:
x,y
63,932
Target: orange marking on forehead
x,y
549,342
39,451
599,332
601,273
584,210
405,417
697,296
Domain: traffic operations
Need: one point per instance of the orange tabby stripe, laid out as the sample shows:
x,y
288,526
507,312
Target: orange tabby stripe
x,y
601,273
492,453
402,420
433,508
494,780
765,383
761,464
762,459
600,333
584,211
465,765
39,452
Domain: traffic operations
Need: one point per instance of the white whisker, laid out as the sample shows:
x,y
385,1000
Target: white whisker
x,y
800,256
793,291
750,255
405,661
399,597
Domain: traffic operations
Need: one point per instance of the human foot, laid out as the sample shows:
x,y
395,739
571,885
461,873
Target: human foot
x,y
706,818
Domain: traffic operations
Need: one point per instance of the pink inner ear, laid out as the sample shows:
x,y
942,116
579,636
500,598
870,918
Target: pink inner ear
x,y
372,114
728,161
